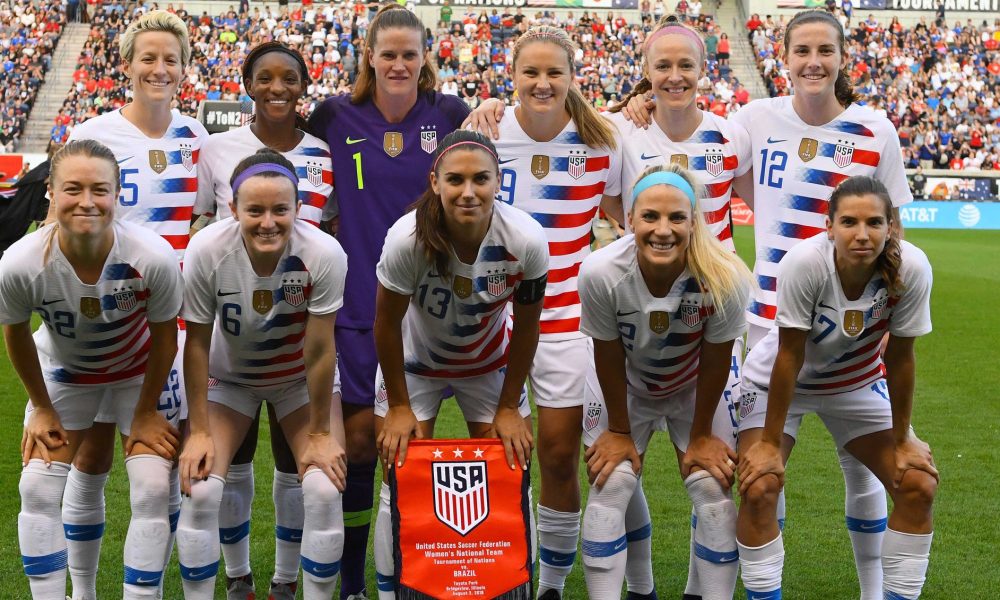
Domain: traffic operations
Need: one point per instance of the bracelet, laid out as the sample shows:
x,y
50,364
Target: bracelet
x,y
319,434
629,432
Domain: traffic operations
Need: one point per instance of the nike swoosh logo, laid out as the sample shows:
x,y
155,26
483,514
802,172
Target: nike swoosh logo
x,y
503,162
228,539
171,416
870,526
644,157
619,546
821,305
48,302
770,141
197,575
350,141
141,581
221,293
329,569
625,314
126,159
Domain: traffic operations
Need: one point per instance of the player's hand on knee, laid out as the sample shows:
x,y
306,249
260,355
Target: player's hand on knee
x,y
609,451
711,454
43,432
486,118
156,433
913,453
325,453
196,460
514,432
639,110
760,459
399,425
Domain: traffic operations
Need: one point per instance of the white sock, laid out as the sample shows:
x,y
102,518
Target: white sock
x,y
198,538
149,528
83,523
322,535
174,513
558,533
865,510
234,519
762,567
286,491
40,530
639,535
693,585
385,568
904,563
779,511
604,542
715,537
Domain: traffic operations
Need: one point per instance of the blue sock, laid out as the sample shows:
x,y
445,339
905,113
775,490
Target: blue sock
x,y
357,519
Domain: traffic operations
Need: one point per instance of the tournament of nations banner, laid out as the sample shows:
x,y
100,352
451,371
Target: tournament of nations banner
x,y
460,520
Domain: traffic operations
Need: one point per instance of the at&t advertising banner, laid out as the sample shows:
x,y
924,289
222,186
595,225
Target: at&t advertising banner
x,y
950,215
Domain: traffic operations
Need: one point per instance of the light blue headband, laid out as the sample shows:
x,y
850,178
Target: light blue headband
x,y
663,178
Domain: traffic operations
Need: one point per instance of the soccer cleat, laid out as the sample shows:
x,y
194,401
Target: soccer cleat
x,y
550,594
359,596
282,591
241,588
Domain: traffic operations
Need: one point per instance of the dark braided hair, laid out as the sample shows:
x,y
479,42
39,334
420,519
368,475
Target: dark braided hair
x,y
266,48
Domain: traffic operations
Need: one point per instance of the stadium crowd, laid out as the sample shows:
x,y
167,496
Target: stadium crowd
x,y
938,84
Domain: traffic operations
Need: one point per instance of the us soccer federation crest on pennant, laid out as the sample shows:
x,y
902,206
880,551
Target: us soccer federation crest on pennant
x,y
461,494
187,156
539,166
496,283
714,161
807,149
158,161
690,314
462,286
125,299
854,322
659,321
314,174
392,143
263,301
577,166
90,307
843,154
294,292
428,138
593,416
681,160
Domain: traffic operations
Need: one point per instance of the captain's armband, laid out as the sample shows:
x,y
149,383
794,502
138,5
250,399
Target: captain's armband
x,y
530,291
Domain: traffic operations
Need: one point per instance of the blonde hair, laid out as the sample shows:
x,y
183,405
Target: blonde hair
x,y
157,20
391,16
594,130
717,270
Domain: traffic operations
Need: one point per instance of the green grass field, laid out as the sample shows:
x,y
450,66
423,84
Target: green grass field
x,y
956,409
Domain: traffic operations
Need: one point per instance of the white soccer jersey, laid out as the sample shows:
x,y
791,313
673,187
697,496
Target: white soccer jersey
x,y
159,177
93,334
260,322
796,167
843,352
223,151
457,327
662,336
561,189
717,152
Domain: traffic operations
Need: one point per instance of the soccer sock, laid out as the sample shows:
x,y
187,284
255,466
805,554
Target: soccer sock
x,y
904,563
174,513
39,528
322,535
762,567
288,518
234,519
779,511
83,522
693,586
865,510
639,535
604,533
385,569
198,538
558,533
149,529
715,537
357,520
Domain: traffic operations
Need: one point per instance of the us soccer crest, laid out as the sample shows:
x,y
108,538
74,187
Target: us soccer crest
x,y
125,300
314,173
681,160
496,283
878,307
577,164
381,394
428,139
659,321
843,154
90,307
690,314
263,301
187,156
747,400
158,161
392,143
461,494
462,286
294,293
593,417
854,322
714,162
807,149
539,166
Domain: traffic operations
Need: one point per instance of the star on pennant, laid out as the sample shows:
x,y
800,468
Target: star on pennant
x,y
478,452
458,453
437,453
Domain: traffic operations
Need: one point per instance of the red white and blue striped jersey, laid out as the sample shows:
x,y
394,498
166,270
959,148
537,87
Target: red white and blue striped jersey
x,y
843,352
91,334
260,322
560,184
223,151
717,152
159,177
662,336
796,167
457,326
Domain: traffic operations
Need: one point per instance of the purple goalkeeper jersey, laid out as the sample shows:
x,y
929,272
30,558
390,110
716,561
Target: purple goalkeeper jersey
x,y
380,168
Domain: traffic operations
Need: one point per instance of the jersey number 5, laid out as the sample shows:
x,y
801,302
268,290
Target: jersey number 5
x,y
130,189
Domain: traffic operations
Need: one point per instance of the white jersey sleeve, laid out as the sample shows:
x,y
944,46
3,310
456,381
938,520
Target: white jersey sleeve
x,y
911,317
15,279
801,281
398,267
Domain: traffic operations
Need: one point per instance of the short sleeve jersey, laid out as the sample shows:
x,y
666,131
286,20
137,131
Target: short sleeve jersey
x,y
717,152
662,336
796,167
458,326
159,177
91,334
223,151
843,352
381,169
260,322
560,184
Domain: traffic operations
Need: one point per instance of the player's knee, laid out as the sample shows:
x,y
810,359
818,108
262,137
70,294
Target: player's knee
x,y
559,461
916,490
761,497
318,491
619,487
94,461
361,446
42,487
205,498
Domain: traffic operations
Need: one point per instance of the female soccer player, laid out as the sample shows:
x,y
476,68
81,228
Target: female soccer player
x,y
664,306
390,125
271,286
108,294
839,292
157,151
275,76
453,264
